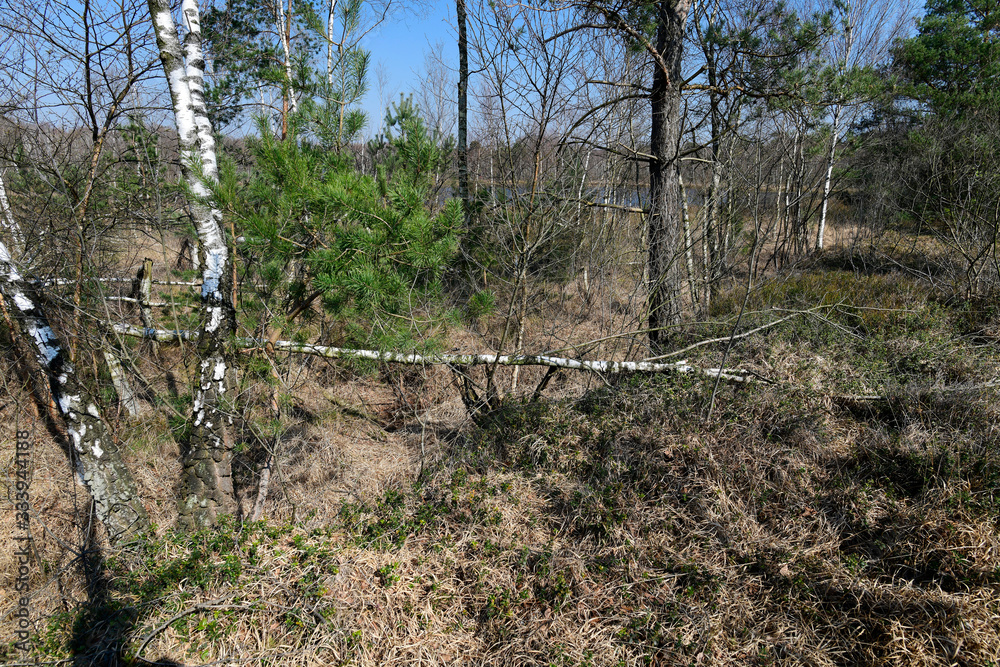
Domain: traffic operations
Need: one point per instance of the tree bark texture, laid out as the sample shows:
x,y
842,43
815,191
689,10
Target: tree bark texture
x,y
207,488
463,112
665,274
95,453
7,218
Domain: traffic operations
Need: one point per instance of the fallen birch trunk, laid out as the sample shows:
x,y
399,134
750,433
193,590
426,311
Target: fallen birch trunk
x,y
62,282
605,367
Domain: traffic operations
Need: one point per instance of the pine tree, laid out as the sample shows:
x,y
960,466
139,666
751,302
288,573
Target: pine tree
x,y
367,248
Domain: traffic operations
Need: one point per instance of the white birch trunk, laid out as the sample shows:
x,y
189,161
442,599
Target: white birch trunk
x,y
330,22
837,111
194,67
583,182
284,28
7,219
207,478
831,156
96,455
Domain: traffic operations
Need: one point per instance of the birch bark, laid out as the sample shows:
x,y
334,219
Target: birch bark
x,y
207,488
7,218
95,453
595,366
835,131
828,179
284,25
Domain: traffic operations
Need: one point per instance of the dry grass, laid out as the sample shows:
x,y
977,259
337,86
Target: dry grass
x,y
615,529
610,524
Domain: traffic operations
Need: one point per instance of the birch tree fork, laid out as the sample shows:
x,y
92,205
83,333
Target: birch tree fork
x,y
207,488
94,452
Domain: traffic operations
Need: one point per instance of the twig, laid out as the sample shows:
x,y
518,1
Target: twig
x,y
201,606
722,339
544,383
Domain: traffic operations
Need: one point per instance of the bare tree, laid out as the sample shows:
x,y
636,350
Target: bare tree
x,y
665,50
91,446
867,30
527,94
81,65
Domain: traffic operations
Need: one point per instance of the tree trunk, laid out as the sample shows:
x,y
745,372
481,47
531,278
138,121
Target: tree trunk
x,y
143,294
712,230
835,131
207,478
95,453
801,238
664,224
7,218
713,233
830,158
284,25
463,112
126,396
688,244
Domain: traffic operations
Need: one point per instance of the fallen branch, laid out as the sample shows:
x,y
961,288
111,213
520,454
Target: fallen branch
x,y
604,367
194,609
159,335
850,399
129,299
60,282
724,339
609,367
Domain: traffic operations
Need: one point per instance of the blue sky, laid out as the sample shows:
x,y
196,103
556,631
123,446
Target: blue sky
x,y
399,47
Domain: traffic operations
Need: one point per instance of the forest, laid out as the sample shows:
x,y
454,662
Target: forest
x,y
630,333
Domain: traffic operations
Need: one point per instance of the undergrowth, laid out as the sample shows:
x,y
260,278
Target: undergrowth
x,y
849,519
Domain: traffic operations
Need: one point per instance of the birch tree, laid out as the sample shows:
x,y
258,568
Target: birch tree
x,y
7,217
868,28
93,451
207,488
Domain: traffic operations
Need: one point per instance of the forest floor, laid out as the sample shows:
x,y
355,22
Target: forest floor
x,y
843,510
